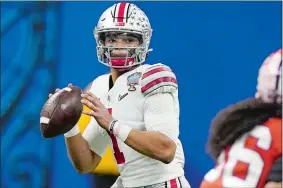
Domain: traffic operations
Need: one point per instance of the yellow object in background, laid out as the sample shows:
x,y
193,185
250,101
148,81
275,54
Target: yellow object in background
x,y
107,165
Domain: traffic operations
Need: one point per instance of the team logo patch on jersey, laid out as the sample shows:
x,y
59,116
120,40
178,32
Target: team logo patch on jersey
x,y
133,80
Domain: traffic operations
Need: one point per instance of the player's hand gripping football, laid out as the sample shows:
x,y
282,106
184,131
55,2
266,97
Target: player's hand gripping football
x,y
57,90
97,109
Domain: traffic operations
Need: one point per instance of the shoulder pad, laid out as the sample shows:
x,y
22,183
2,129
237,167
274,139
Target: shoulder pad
x,y
158,78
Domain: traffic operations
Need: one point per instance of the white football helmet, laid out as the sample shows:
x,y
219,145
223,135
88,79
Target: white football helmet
x,y
125,18
269,83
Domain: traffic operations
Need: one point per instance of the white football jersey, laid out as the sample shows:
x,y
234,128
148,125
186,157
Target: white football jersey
x,y
133,100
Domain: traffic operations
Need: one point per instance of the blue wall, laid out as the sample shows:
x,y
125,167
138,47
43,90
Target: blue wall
x,y
215,49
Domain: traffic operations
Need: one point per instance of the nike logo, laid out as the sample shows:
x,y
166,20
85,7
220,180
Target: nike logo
x,y
121,97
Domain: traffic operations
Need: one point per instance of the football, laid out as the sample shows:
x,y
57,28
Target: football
x,y
61,112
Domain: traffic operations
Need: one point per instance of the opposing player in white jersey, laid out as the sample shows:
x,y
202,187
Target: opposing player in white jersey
x,y
134,108
246,138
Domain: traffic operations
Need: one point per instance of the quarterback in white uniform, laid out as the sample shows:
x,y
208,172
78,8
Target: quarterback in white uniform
x,y
134,108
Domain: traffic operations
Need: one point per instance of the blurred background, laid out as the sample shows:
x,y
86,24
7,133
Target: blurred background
x,y
215,49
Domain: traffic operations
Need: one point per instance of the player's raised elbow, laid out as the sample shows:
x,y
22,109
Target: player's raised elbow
x,y
86,163
82,171
85,168
168,151
170,154
81,168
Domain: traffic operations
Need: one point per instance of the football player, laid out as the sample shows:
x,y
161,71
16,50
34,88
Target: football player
x,y
134,108
246,138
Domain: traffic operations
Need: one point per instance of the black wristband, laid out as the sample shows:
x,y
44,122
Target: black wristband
x,y
111,126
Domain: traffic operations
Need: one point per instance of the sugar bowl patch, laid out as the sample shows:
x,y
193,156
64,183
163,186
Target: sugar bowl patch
x,y
133,80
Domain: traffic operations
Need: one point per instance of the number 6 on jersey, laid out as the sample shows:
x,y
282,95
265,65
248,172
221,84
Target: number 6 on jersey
x,y
242,165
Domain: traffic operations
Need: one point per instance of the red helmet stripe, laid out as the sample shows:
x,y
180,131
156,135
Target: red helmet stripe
x,y
121,12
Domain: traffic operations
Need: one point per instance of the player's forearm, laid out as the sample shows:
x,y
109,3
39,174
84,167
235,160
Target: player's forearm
x,y
83,159
153,144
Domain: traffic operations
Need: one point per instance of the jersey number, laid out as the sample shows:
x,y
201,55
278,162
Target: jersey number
x,y
243,165
119,156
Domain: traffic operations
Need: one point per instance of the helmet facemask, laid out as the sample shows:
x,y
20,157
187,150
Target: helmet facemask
x,y
134,55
